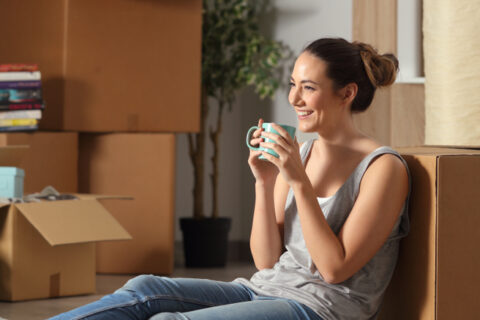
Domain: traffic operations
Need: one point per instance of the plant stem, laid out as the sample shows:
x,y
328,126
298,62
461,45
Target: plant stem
x,y
214,136
197,152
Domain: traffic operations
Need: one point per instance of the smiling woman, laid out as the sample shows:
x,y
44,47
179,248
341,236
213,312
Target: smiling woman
x,y
328,215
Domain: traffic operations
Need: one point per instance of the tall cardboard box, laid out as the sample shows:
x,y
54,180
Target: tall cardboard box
x,y
110,65
47,248
437,275
51,159
143,166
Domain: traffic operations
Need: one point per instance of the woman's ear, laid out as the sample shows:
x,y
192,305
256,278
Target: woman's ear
x,y
350,92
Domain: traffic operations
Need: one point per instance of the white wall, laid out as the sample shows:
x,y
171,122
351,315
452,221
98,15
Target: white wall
x,y
409,40
299,22
295,23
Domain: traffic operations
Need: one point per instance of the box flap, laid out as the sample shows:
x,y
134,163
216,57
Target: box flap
x,y
85,196
11,156
72,221
436,150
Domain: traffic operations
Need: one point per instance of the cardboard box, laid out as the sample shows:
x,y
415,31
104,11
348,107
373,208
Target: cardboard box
x,y
136,75
47,248
437,275
51,159
143,166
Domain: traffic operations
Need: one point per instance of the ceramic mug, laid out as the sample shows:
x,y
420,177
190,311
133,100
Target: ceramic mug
x,y
267,127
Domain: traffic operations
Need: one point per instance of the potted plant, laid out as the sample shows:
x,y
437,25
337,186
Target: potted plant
x,y
234,55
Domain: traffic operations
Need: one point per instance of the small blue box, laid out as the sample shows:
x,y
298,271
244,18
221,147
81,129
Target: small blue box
x,y
11,182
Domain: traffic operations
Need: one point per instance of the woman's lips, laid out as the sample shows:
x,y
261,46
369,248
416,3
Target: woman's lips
x,y
303,114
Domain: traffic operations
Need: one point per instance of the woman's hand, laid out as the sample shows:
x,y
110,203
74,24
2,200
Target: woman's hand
x,y
263,171
289,162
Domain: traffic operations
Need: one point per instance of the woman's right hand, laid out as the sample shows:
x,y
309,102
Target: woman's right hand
x,y
263,170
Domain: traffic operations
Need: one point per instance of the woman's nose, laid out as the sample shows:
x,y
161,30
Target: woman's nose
x,y
295,97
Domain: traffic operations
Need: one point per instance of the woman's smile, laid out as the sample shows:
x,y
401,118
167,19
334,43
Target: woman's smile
x,y
304,114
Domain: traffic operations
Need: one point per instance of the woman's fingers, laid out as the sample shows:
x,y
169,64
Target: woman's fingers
x,y
271,158
297,145
283,155
256,141
282,132
257,133
278,139
255,153
273,146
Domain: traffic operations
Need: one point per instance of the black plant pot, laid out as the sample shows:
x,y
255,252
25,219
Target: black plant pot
x,y
205,241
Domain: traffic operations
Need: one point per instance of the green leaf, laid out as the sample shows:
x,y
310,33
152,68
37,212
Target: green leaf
x,y
235,53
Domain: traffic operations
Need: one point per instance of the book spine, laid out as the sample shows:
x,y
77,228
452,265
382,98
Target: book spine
x,y
20,95
19,128
9,67
22,106
17,122
21,114
20,84
20,76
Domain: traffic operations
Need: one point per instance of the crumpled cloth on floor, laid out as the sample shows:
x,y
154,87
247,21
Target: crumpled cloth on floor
x,y
48,193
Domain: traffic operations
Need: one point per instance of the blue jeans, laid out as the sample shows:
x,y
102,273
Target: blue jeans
x,y
161,298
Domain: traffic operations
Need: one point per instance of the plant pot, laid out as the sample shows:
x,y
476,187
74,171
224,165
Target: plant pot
x,y
205,241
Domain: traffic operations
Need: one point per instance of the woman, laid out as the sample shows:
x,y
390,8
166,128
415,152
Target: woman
x,y
328,215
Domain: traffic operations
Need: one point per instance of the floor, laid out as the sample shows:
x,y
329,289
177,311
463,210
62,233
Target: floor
x,y
43,309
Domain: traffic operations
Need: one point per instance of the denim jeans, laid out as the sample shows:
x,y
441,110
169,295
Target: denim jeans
x,y
162,298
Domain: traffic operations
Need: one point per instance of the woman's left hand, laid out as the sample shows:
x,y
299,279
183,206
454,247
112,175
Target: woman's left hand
x,y
289,161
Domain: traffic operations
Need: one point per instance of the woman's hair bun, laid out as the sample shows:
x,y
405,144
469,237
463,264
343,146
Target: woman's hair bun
x,y
381,69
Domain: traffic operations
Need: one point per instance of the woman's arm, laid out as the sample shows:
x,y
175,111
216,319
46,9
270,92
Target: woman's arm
x,y
266,239
383,191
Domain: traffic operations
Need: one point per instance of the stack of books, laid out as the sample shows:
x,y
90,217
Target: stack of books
x,y
21,102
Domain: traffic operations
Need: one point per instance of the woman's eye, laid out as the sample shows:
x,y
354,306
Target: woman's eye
x,y
309,88
291,84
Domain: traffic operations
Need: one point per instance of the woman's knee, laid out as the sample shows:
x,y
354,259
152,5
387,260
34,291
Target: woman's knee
x,y
139,281
145,284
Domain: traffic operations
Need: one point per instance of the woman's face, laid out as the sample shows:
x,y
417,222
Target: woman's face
x,y
312,94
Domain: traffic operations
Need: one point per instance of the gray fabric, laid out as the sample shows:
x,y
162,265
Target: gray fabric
x,y
295,276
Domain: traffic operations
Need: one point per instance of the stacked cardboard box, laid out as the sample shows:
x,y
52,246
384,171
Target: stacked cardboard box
x,y
437,274
130,77
143,166
125,79
51,159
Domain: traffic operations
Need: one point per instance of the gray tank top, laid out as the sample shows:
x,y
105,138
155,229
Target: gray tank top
x,y
295,276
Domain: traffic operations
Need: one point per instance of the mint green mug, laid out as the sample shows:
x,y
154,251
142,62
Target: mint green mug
x,y
267,127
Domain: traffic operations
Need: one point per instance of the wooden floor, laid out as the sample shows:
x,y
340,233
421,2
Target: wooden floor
x,y
43,309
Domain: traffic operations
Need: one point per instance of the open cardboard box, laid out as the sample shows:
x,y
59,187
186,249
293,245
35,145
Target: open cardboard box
x,y
47,249
437,275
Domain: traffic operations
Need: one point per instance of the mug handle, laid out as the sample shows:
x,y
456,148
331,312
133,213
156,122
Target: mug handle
x,y
249,137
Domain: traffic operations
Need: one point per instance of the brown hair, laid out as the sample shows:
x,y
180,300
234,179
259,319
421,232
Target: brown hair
x,y
358,63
